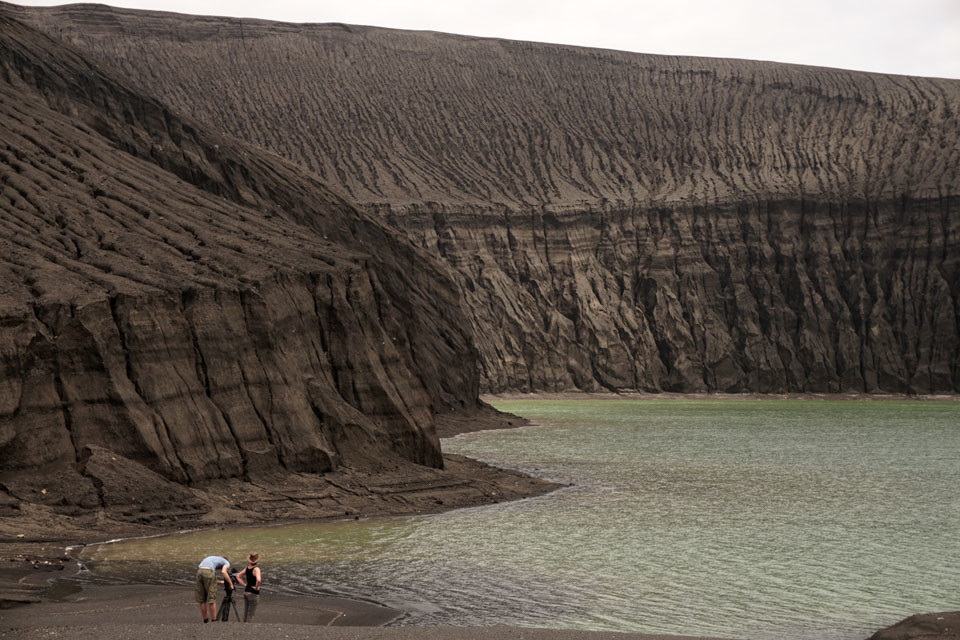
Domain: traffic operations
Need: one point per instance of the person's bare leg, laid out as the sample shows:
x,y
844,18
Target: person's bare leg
x,y
203,611
213,611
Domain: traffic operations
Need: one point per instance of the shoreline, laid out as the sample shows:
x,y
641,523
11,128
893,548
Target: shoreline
x,y
96,604
32,564
286,631
91,611
98,612
31,567
463,482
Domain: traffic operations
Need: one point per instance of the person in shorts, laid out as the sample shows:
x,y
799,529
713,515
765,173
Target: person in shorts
x,y
207,574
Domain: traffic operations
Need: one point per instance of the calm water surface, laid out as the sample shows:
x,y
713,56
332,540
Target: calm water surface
x,y
751,519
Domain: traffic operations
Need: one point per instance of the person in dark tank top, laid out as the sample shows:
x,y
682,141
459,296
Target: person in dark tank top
x,y
250,578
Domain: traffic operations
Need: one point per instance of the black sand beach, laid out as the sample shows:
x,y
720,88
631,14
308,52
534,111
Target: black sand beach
x,y
127,611
302,632
105,612
161,605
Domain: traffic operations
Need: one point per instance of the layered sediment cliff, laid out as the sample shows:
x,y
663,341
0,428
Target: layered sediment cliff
x,y
179,309
613,220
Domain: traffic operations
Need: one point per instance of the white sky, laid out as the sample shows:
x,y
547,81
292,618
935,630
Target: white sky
x,y
914,37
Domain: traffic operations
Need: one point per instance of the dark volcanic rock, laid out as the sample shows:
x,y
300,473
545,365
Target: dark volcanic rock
x,y
925,626
613,220
178,308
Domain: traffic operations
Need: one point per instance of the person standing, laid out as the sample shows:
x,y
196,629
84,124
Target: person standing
x,y
250,579
207,584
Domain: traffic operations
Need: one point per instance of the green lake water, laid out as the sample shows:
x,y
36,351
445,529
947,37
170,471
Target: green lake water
x,y
760,519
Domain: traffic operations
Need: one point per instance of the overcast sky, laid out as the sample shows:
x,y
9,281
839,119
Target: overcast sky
x,y
915,37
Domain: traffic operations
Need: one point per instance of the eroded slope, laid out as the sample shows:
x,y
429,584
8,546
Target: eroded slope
x,y
178,309
409,117
614,220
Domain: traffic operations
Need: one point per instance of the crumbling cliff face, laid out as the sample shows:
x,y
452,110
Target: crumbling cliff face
x,y
763,296
178,308
613,220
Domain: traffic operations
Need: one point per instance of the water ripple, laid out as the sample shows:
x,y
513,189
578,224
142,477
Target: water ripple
x,y
790,520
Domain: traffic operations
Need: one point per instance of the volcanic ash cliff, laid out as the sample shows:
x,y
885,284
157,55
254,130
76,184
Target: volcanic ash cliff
x,y
612,220
192,329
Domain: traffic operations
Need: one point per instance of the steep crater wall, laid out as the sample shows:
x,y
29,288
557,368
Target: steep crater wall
x,y
763,296
613,220
178,308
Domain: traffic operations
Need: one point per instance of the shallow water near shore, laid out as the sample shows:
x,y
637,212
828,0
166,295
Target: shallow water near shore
x,y
760,519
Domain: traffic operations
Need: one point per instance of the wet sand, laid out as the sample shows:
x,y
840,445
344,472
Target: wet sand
x,y
102,612
162,605
140,611
41,599
108,612
229,630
